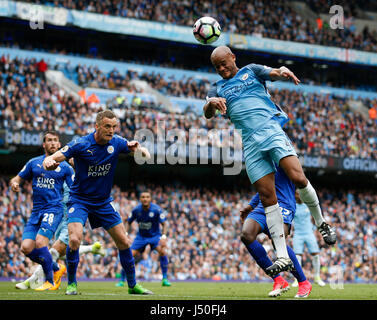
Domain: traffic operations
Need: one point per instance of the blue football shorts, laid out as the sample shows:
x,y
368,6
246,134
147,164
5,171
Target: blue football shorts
x,y
299,241
265,148
259,216
104,215
44,222
140,242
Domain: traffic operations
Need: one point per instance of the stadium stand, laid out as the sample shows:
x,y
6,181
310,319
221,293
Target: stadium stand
x,y
25,91
275,19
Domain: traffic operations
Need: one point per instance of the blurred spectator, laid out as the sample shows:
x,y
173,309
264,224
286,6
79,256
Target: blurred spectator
x,y
373,113
42,68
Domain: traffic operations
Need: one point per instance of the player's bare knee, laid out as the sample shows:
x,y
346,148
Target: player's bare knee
x,y
123,243
39,243
247,237
267,196
298,178
161,251
26,248
74,242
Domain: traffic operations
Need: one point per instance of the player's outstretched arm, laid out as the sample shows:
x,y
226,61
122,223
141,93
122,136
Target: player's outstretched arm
x,y
137,150
15,183
53,161
283,73
212,105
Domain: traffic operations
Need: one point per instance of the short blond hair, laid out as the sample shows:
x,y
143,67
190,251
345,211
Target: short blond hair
x,y
105,114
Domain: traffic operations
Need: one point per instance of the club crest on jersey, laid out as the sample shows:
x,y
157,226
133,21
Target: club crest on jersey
x,y
58,169
245,76
64,149
110,149
71,210
151,214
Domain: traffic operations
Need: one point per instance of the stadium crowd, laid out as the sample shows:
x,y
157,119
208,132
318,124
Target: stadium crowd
x,y
28,102
243,17
203,235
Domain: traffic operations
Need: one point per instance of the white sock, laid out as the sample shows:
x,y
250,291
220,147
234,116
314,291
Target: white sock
x,y
85,249
82,249
299,259
316,265
38,274
310,198
275,224
54,254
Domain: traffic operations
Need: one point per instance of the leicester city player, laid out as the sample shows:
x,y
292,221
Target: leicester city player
x,y
47,210
58,251
149,216
96,156
242,95
255,223
304,235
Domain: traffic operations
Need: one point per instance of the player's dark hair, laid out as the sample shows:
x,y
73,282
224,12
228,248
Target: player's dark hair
x,y
52,132
145,191
105,114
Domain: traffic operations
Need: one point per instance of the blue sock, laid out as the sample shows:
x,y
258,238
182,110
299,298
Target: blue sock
x,y
297,273
123,275
128,263
44,258
164,266
72,258
259,254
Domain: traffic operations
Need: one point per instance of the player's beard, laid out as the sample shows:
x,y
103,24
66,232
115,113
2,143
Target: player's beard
x,y
51,151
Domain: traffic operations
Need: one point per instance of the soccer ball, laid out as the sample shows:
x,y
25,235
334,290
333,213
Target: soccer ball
x,y
206,30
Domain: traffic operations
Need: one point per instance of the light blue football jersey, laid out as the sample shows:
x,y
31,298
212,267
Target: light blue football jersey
x,y
248,101
302,221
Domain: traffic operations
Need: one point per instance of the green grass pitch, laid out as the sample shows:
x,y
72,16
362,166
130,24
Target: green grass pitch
x,y
189,291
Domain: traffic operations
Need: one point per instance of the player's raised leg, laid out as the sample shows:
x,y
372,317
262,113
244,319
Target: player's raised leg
x,y
118,234
308,195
